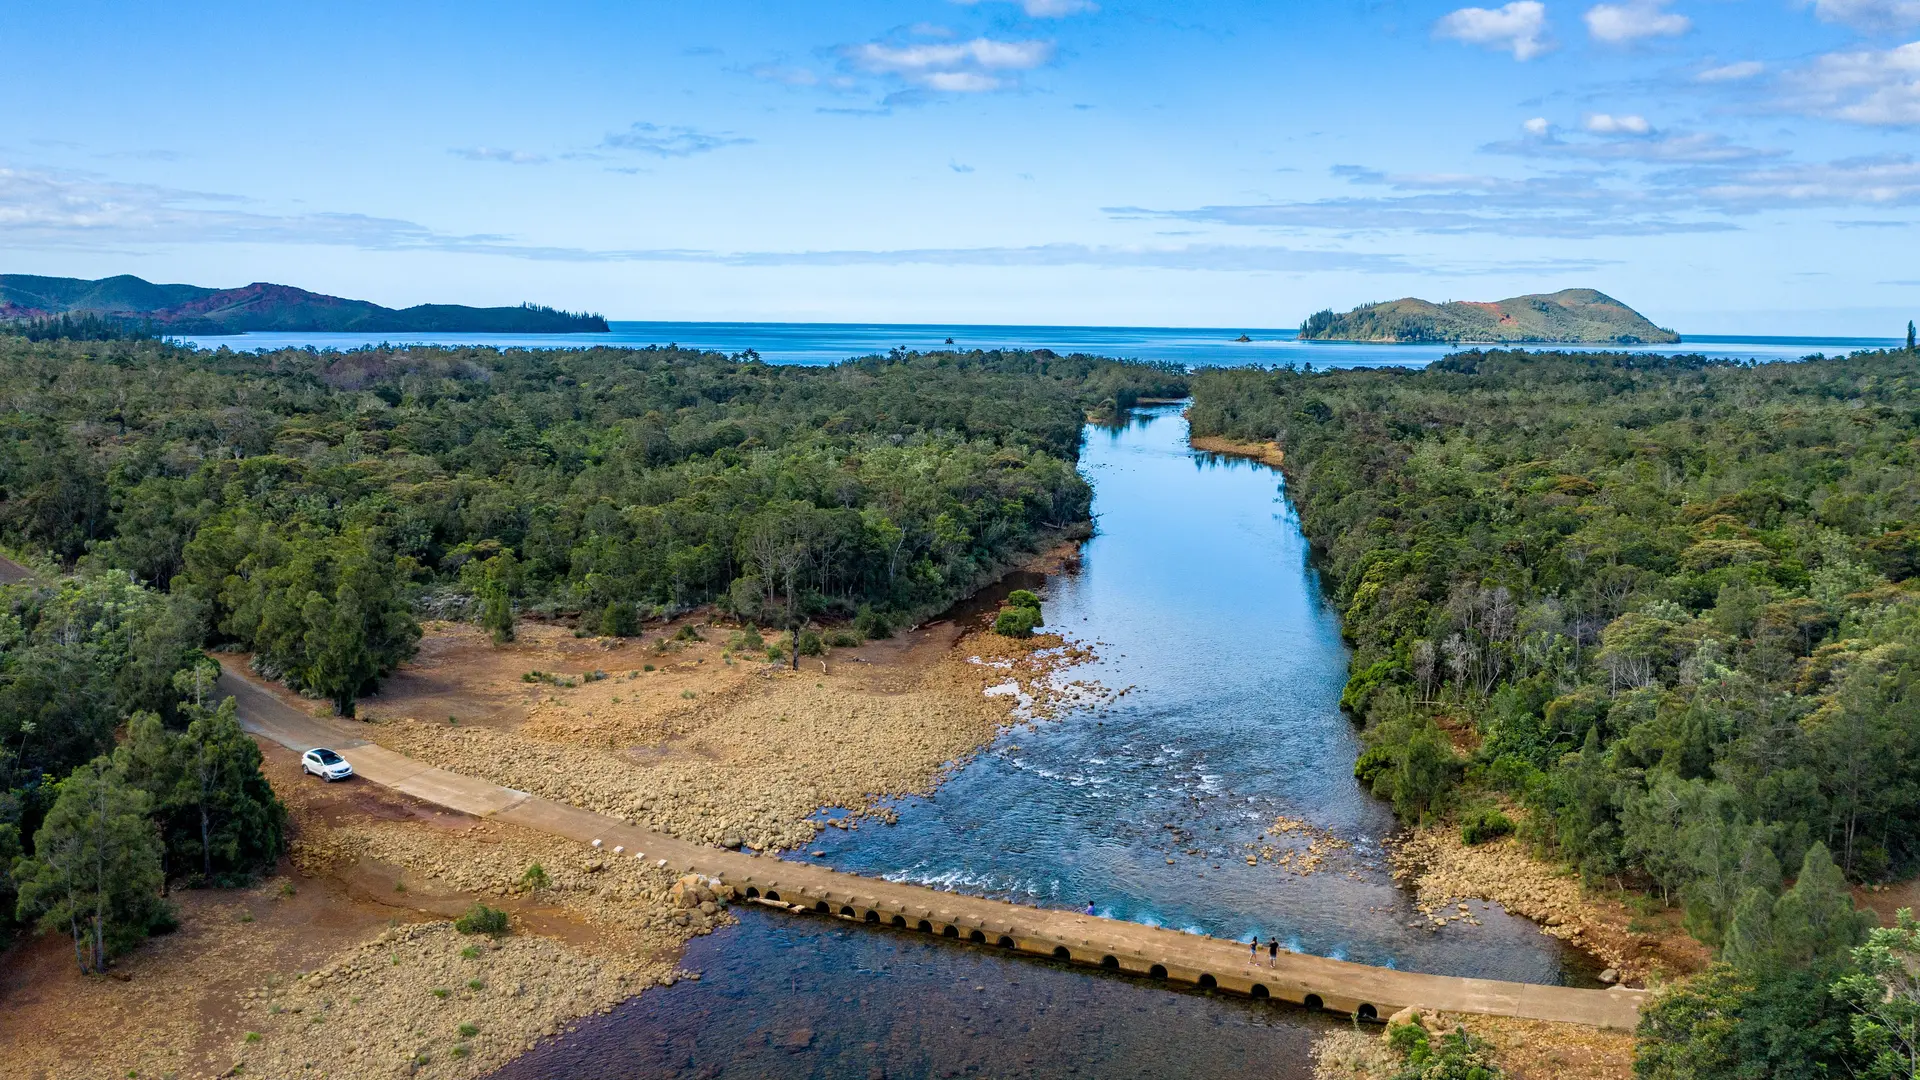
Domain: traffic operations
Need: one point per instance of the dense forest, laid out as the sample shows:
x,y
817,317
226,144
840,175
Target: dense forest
x,y
1670,608
311,508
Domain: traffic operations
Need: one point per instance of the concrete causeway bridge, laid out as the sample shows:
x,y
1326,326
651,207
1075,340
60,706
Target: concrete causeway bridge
x,y
1315,982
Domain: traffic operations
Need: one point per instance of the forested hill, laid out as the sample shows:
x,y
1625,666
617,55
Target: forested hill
x,y
194,309
1667,606
1568,317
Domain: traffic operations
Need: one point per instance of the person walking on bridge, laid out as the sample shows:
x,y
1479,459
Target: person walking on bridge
x,y
1273,951
1253,950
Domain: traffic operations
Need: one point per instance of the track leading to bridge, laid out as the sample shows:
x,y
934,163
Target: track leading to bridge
x,y
1150,952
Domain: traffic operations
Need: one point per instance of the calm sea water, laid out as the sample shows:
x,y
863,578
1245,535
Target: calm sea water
x,y
1198,593
828,343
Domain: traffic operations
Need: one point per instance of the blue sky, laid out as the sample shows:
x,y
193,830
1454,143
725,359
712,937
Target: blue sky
x,y
1723,165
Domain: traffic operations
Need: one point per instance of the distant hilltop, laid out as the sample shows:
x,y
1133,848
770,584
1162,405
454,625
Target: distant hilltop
x,y
193,309
1568,317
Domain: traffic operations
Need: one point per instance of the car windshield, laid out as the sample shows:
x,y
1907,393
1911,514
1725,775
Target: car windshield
x,y
326,757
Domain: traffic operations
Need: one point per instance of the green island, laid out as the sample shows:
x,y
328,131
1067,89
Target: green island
x,y
1666,612
1567,317
57,306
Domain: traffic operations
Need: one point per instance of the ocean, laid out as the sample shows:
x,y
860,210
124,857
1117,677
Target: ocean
x,y
829,343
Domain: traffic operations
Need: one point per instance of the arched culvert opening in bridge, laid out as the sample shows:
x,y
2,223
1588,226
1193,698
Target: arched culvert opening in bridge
x,y
1367,1012
821,907
1061,952
951,931
1313,1002
774,896
977,937
1156,972
1110,962
873,916
925,927
847,911
1208,982
900,921
1259,990
752,892
1006,942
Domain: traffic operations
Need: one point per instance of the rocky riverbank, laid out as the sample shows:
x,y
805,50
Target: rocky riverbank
x,y
1523,1049
1639,947
706,739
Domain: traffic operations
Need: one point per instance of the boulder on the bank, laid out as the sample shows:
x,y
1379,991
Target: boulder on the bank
x,y
693,890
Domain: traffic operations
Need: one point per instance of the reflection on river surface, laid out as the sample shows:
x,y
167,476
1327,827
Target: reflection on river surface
x,y
1198,592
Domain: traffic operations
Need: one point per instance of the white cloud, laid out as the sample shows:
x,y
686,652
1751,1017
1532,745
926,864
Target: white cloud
x,y
669,141
1884,180
1744,69
1680,147
1608,124
1537,127
1704,194
983,52
494,153
965,67
44,209
1869,14
1880,87
961,82
59,208
1519,27
1048,9
1621,24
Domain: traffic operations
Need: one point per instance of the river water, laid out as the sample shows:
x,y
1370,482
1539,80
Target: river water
x,y
1199,597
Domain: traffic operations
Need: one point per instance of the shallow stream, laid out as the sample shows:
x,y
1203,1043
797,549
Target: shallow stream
x,y
1198,596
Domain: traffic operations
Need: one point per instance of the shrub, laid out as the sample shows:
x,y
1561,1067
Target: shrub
x,y
747,639
1016,622
843,639
1023,598
872,624
1483,825
811,643
535,877
481,919
621,619
468,1031
1372,763
688,632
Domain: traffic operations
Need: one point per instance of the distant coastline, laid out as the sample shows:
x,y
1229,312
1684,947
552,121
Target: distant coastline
x,y
262,306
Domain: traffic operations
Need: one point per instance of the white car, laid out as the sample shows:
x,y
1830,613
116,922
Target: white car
x,y
325,764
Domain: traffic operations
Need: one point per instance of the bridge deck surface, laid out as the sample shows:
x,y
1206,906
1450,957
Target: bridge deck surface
x,y
1336,984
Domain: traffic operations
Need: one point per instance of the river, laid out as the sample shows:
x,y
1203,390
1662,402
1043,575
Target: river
x,y
1199,597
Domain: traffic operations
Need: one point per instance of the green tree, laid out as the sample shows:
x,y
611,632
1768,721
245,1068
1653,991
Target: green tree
x,y
1884,992
220,819
496,611
620,619
95,870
